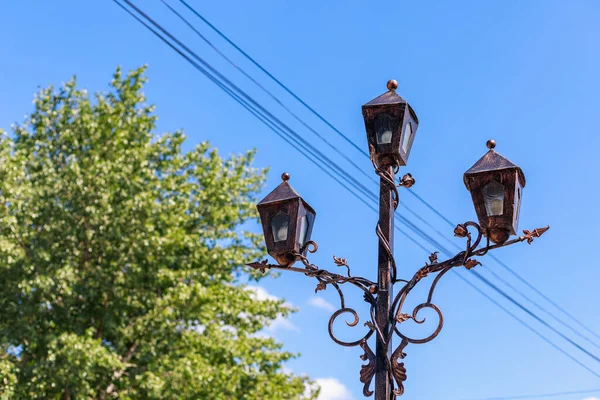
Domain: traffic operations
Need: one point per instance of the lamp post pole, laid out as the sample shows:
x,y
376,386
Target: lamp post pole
x,y
385,228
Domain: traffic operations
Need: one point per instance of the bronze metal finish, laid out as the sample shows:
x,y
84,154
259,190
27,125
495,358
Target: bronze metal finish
x,y
386,275
407,181
285,203
494,169
396,371
287,222
393,112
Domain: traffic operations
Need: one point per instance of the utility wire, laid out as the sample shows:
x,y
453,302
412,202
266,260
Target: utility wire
x,y
534,316
276,129
545,297
525,324
264,89
444,250
366,191
207,69
323,119
551,315
508,284
205,72
539,396
283,86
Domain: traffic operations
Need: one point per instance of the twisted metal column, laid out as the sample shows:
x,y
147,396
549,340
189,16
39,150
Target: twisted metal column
x,y
386,273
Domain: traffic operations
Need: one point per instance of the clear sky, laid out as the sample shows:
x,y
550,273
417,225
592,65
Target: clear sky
x,y
523,73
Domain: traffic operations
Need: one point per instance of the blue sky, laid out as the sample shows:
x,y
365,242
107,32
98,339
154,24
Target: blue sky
x,y
525,74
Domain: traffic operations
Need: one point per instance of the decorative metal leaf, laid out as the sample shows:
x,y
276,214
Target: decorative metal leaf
x,y
403,317
407,181
470,263
537,232
433,258
398,369
321,286
367,371
341,262
461,231
261,266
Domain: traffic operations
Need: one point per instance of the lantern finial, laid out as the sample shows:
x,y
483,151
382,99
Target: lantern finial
x,y
285,177
392,84
491,144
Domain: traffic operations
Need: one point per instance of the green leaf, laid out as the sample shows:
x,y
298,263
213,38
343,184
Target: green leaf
x,y
120,255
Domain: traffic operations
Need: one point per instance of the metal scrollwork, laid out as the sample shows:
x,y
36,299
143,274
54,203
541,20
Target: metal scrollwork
x,y
397,370
326,278
367,371
350,324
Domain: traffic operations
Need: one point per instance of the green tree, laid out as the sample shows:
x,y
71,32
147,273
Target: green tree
x,y
121,259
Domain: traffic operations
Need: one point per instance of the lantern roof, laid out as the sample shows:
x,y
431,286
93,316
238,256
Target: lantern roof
x,y
284,192
389,97
492,161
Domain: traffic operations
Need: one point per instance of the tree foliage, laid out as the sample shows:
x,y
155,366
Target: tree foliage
x,y
120,259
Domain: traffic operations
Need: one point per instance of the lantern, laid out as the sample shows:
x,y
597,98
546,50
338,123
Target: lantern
x,y
391,125
287,222
496,186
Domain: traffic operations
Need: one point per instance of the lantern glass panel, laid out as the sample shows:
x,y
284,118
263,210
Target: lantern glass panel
x,y
406,138
517,204
303,230
279,226
493,196
383,128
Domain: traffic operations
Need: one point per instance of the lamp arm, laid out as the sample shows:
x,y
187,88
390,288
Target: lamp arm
x,y
369,289
464,258
324,278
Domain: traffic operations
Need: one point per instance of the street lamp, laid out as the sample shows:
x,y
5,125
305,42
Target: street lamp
x,y
287,222
391,125
496,187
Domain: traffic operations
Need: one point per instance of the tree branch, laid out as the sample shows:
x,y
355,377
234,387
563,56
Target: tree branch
x,y
118,374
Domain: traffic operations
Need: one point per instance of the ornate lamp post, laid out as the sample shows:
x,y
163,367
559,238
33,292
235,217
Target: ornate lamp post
x,y
496,187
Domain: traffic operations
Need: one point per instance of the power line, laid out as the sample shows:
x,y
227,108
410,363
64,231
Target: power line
x,y
283,86
508,284
369,193
267,91
250,100
323,119
205,68
276,129
514,302
414,228
533,315
525,324
551,315
539,396
545,297
517,304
